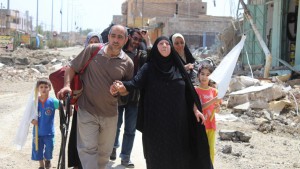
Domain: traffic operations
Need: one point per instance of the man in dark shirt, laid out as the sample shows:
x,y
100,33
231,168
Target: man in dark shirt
x,y
128,105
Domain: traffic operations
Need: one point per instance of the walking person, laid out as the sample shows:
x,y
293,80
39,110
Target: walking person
x,y
173,137
185,54
39,111
73,158
97,114
128,105
45,123
210,104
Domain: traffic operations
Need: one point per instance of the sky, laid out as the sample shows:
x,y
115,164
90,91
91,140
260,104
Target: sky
x,y
93,14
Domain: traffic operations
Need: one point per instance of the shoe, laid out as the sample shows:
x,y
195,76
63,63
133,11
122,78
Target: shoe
x,y
127,164
47,164
113,155
41,168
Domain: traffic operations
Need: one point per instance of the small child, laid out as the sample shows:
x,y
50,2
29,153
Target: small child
x,y
210,104
42,148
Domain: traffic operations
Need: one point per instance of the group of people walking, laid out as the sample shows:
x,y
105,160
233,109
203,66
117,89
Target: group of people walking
x,y
146,88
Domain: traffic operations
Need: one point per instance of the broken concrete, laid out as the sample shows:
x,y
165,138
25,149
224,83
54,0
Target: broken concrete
x,y
235,136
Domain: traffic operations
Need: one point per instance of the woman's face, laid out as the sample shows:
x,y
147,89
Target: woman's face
x,y
179,44
94,40
164,48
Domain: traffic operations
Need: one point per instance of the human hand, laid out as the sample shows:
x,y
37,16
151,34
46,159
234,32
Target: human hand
x,y
113,90
120,86
189,66
144,33
34,122
199,116
62,93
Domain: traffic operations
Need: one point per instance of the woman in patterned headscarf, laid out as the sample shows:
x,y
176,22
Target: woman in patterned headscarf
x,y
173,137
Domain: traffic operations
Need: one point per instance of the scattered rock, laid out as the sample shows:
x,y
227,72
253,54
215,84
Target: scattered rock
x,y
227,149
296,165
235,136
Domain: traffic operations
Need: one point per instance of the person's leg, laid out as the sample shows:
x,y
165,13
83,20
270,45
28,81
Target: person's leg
x,y
42,166
108,126
38,155
48,153
120,122
88,128
129,131
211,141
113,155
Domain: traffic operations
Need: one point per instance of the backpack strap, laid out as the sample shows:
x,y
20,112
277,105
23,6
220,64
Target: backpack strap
x,y
92,56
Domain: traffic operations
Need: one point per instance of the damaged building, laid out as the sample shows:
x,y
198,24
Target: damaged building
x,y
166,17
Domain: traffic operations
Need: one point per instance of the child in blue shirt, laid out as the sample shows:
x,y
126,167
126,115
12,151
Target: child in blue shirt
x,y
43,141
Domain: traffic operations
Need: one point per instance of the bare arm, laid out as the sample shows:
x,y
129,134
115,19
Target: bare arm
x,y
212,101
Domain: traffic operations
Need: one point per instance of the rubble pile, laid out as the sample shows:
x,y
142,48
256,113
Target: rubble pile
x,y
26,65
271,106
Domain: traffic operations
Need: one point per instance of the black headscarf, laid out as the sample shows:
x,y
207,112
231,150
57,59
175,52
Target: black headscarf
x,y
165,66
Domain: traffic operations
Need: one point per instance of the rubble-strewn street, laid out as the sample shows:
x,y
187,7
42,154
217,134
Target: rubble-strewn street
x,y
258,126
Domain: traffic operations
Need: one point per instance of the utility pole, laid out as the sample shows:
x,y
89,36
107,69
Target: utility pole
x,y
67,15
72,14
52,18
260,40
61,15
142,13
37,16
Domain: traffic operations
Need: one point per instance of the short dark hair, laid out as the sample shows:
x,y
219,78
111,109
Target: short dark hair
x,y
131,31
126,32
44,80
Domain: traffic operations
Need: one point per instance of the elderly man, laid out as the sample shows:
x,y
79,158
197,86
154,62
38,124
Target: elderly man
x,y
97,108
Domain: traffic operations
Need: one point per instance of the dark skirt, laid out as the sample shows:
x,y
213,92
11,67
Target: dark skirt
x,y
73,158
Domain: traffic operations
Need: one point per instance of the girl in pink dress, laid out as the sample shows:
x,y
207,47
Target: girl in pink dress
x,y
210,104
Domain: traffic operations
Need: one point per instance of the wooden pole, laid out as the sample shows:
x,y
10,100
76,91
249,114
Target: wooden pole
x,y
260,40
36,138
37,126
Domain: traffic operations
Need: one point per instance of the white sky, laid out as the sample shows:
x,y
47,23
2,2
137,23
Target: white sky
x,y
94,14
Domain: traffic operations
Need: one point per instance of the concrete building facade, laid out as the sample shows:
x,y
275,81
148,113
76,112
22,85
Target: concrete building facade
x,y
166,17
14,20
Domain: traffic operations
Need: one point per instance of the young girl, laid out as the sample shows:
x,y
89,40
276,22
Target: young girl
x,y
210,104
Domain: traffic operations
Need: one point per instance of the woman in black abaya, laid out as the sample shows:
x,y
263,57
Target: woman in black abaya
x,y
172,137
